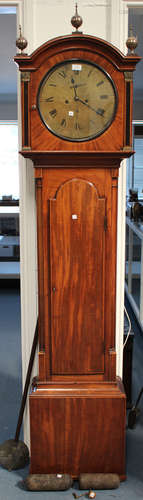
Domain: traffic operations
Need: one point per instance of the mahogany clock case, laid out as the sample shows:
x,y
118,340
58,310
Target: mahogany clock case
x,y
77,407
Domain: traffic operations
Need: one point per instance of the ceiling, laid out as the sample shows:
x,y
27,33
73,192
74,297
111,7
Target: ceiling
x,y
8,76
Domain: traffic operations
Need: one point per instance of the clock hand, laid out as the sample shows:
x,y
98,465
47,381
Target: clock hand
x,y
76,98
77,85
86,104
74,86
75,94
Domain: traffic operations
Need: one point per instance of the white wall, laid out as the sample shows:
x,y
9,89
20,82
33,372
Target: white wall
x,y
44,19
57,16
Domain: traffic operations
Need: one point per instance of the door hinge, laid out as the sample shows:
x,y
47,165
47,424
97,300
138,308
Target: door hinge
x,y
105,223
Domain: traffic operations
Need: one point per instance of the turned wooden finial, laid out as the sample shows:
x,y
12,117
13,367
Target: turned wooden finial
x,y
76,21
132,42
21,42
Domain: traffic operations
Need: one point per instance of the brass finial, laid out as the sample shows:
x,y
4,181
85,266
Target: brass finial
x,y
21,42
76,21
132,42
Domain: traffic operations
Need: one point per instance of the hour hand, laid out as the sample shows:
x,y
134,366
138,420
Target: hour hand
x,y
77,85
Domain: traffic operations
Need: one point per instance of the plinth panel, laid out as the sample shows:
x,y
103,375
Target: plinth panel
x,y
78,430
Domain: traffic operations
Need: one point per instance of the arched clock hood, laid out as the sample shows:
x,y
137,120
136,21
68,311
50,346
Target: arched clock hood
x,y
37,140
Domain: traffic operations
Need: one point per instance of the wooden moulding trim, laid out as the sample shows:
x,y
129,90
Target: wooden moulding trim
x,y
26,132
89,42
42,368
77,377
44,394
120,385
128,114
77,383
114,182
115,175
25,110
114,264
40,262
81,385
78,394
112,365
76,159
128,106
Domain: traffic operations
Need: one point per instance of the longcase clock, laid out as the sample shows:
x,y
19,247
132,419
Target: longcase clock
x,y
76,127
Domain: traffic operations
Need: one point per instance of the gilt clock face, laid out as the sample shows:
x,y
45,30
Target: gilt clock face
x,y
77,100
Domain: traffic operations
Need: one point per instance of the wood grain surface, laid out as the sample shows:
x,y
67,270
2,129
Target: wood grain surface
x,y
77,256
82,429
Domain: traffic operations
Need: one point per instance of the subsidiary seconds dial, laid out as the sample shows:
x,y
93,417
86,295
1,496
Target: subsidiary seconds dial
x,y
77,100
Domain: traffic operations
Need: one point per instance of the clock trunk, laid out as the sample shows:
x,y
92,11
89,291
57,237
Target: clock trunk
x,y
77,393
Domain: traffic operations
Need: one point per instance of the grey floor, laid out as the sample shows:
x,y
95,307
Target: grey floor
x,y
11,483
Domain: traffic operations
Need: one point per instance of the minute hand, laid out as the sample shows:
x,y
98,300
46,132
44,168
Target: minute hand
x,y
98,112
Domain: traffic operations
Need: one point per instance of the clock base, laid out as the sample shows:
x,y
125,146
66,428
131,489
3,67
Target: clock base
x,y
78,428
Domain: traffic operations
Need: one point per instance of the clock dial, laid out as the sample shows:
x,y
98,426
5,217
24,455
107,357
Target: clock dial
x,y
77,100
